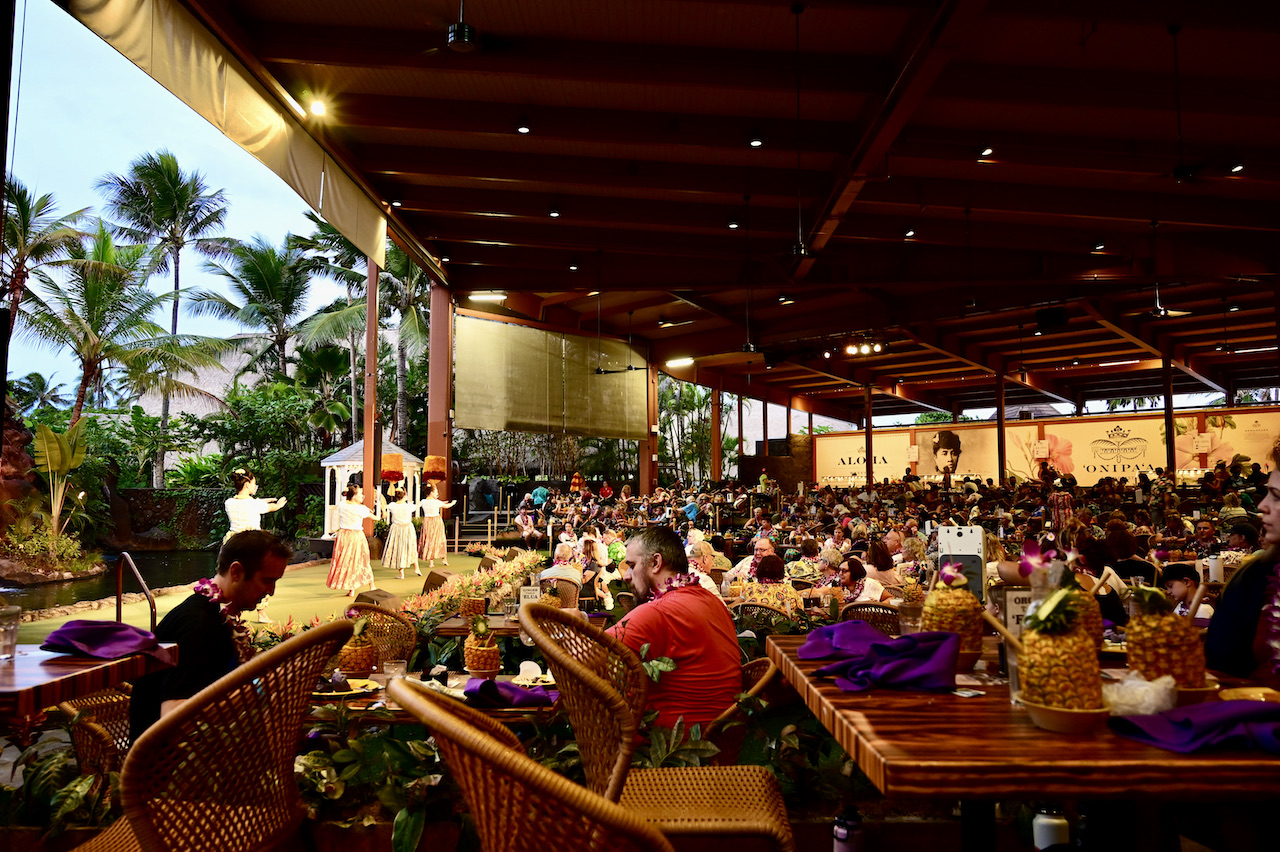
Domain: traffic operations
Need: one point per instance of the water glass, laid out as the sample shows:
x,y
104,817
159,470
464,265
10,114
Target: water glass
x,y
908,624
9,617
394,669
511,609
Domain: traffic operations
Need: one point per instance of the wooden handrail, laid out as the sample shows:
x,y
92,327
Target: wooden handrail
x,y
151,599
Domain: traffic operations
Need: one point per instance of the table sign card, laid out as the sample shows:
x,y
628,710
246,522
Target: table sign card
x,y
530,594
1013,602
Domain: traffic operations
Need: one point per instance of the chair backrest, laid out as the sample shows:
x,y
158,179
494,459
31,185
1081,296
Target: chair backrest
x,y
626,601
568,591
394,634
602,686
717,576
217,772
801,585
883,617
516,803
757,614
100,734
756,677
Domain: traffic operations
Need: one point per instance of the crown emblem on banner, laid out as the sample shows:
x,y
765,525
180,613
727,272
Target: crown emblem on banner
x,y
1118,433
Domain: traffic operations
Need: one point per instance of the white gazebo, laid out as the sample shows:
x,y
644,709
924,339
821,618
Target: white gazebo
x,y
339,467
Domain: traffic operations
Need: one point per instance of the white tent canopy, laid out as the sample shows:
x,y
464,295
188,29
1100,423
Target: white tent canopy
x,y
339,467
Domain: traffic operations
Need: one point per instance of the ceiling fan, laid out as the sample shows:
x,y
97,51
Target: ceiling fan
x,y
460,37
601,371
1162,312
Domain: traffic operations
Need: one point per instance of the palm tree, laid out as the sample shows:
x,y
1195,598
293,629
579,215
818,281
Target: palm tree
x,y
33,392
405,288
268,294
102,315
34,236
336,257
160,205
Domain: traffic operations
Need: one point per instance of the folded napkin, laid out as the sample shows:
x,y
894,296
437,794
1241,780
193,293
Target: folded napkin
x,y
501,693
867,658
103,640
1228,724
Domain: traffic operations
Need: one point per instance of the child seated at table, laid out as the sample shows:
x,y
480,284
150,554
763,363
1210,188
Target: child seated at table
x,y
1180,583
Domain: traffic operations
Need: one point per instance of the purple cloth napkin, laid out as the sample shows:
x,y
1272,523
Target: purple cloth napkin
x,y
1227,724
103,640
867,658
501,693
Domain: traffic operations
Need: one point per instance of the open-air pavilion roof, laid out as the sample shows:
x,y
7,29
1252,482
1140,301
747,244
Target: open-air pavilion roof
x,y
1049,165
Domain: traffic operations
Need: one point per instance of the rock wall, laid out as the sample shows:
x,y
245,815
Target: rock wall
x,y
165,519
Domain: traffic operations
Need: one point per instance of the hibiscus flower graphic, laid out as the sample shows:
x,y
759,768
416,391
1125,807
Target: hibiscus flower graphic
x,y
1219,450
1060,453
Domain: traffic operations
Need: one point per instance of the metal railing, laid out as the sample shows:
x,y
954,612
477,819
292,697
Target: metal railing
x,y
151,599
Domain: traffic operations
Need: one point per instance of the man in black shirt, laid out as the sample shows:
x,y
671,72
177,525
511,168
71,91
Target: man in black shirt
x,y
212,639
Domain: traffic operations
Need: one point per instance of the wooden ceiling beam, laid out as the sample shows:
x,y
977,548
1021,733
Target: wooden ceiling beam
x,y
924,62
615,62
1126,327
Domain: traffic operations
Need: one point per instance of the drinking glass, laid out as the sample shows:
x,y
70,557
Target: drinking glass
x,y
394,669
511,609
908,624
9,617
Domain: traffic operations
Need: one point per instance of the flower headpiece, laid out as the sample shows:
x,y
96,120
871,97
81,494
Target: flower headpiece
x,y
952,574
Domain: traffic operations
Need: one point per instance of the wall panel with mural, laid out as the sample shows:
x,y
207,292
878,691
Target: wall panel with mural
x,y
1091,448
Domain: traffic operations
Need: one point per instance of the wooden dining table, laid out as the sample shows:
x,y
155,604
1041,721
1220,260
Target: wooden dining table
x,y
980,749
513,717
499,624
35,680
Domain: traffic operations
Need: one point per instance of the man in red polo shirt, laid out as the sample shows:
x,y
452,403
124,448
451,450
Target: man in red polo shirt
x,y
683,621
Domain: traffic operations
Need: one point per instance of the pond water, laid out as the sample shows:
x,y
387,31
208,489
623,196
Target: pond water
x,y
172,568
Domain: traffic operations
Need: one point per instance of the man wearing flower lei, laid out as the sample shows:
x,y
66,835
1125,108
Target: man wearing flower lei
x,y
679,619
212,638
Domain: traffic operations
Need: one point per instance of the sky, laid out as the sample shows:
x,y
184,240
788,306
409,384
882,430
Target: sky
x,y
73,121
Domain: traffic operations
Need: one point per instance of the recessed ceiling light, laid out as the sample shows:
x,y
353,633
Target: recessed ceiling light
x,y
444,259
1038,333
1099,246
318,107
1075,362
1219,347
1233,307
826,353
396,203
756,141
673,323
554,213
593,293
865,349
786,300
902,380
573,266
876,347
911,232
733,224
851,349
488,297
1237,168
679,362
987,152
522,126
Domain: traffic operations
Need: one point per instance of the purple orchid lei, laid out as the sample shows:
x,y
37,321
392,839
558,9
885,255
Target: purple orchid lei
x,y
239,630
679,581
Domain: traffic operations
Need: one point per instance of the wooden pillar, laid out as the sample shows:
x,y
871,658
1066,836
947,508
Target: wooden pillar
x,y
871,466
649,446
1170,448
811,422
788,417
741,449
717,448
440,386
1000,447
372,434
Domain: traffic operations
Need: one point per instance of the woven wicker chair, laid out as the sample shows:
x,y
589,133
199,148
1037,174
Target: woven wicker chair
x,y
757,614
626,601
603,688
394,634
802,585
517,804
217,773
717,576
567,589
883,617
100,735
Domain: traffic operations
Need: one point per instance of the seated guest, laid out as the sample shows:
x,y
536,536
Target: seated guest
x,y
1206,539
1240,641
1180,583
879,564
528,528
702,559
212,638
761,548
856,586
722,561
806,567
678,619
771,586
1122,549
829,565
563,566
1231,508
1242,538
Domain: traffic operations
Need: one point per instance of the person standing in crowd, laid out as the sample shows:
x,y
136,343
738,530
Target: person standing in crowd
x,y
349,567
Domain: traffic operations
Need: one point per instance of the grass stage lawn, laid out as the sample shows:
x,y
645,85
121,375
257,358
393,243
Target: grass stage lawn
x,y
300,593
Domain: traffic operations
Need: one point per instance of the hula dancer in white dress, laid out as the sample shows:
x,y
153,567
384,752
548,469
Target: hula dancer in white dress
x,y
245,511
350,567
431,539
401,551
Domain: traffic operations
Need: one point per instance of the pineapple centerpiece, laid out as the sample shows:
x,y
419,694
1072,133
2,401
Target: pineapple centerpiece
x,y
952,607
359,656
480,650
1058,664
1162,643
